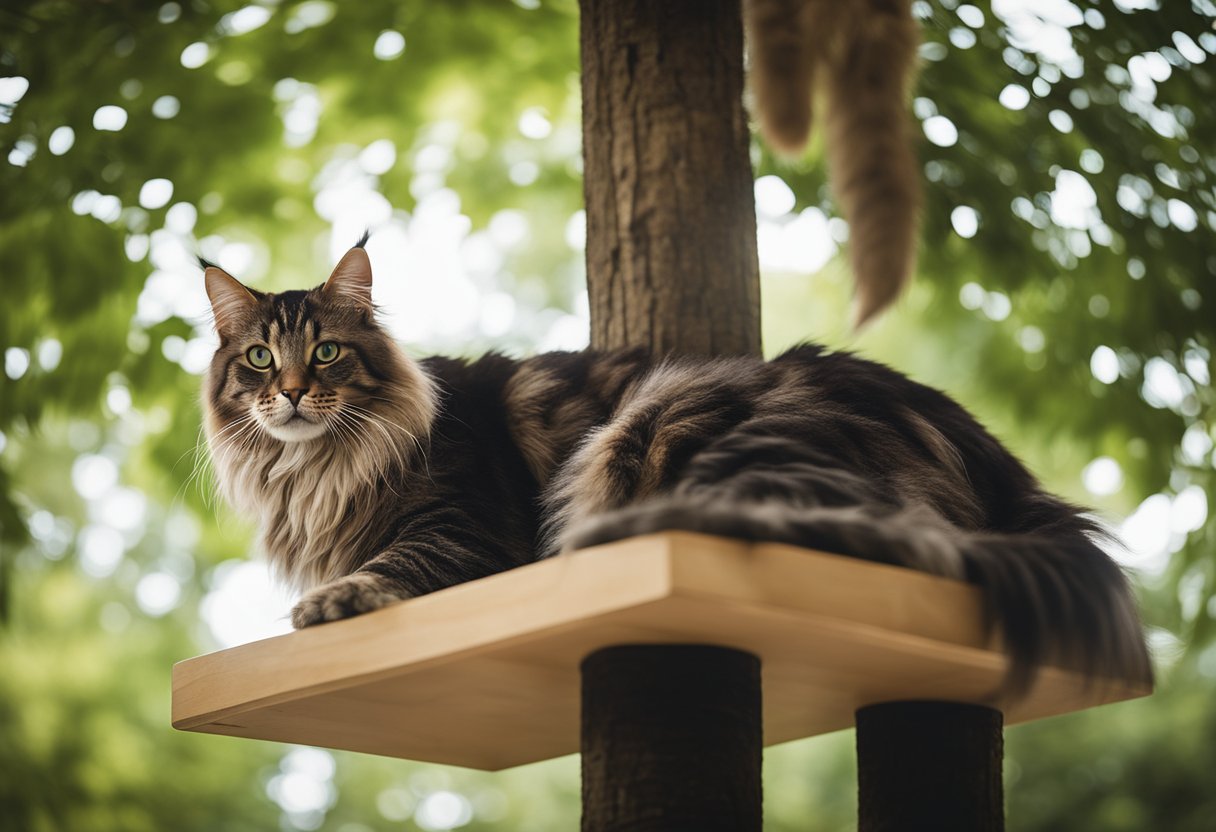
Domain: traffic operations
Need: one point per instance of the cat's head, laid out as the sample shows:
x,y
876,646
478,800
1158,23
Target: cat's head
x,y
311,370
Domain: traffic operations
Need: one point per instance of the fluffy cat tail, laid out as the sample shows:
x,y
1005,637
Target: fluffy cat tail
x,y
865,51
782,66
872,162
1056,598
1058,601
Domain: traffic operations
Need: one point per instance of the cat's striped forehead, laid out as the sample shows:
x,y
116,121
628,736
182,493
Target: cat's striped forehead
x,y
299,317
292,315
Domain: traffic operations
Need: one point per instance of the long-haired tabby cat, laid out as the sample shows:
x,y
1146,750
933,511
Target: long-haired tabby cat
x,y
377,478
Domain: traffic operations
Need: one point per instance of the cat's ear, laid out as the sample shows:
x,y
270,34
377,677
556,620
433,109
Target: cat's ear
x,y
352,278
229,297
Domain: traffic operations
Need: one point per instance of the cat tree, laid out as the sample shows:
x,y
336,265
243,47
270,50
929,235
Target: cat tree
x,y
656,657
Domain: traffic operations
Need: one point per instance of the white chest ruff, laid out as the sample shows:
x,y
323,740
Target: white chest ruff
x,y
315,508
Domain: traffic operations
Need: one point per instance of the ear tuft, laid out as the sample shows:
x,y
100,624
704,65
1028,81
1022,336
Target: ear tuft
x,y
352,278
229,297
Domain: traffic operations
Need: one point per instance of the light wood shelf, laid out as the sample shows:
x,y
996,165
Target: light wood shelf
x,y
485,674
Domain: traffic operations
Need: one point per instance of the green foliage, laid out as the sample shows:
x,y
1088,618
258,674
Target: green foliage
x,y
1078,328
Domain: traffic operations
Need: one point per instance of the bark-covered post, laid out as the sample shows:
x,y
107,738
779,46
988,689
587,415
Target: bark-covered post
x,y
671,219
671,735
929,765
671,739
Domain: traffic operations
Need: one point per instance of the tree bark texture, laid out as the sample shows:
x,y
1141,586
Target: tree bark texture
x,y
671,739
671,222
929,765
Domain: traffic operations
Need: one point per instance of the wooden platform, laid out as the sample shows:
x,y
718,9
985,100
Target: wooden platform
x,y
485,675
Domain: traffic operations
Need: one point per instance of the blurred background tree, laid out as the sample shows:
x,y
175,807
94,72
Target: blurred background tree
x,y
1064,294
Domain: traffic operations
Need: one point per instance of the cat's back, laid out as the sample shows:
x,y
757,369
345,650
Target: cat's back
x,y
865,386
926,418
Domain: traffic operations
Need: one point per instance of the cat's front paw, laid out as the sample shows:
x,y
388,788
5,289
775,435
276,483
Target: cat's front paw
x,y
344,598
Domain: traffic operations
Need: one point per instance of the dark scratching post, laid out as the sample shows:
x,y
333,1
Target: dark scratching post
x,y
931,766
671,739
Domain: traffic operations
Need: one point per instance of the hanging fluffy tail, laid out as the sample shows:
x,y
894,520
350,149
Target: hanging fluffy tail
x,y
866,51
1056,597
782,65
871,160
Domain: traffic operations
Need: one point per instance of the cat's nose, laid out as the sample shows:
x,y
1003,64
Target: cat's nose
x,y
294,394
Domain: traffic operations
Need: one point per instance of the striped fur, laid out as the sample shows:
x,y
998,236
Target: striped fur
x,y
431,473
863,54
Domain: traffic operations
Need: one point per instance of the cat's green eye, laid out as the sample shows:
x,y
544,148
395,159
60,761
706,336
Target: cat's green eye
x,y
326,352
259,358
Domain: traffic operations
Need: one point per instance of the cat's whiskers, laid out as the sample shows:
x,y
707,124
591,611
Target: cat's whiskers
x,y
240,430
241,421
236,443
418,444
401,428
359,417
350,428
203,461
383,423
367,417
224,438
233,449
354,423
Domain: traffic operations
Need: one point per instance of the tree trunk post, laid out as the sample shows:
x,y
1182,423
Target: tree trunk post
x,y
929,765
671,739
671,217
671,734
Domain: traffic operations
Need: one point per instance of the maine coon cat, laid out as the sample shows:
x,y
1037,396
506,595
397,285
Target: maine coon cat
x,y
861,56
376,478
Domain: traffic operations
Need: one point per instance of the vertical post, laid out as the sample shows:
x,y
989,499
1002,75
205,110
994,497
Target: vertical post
x,y
671,739
671,735
671,217
929,765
